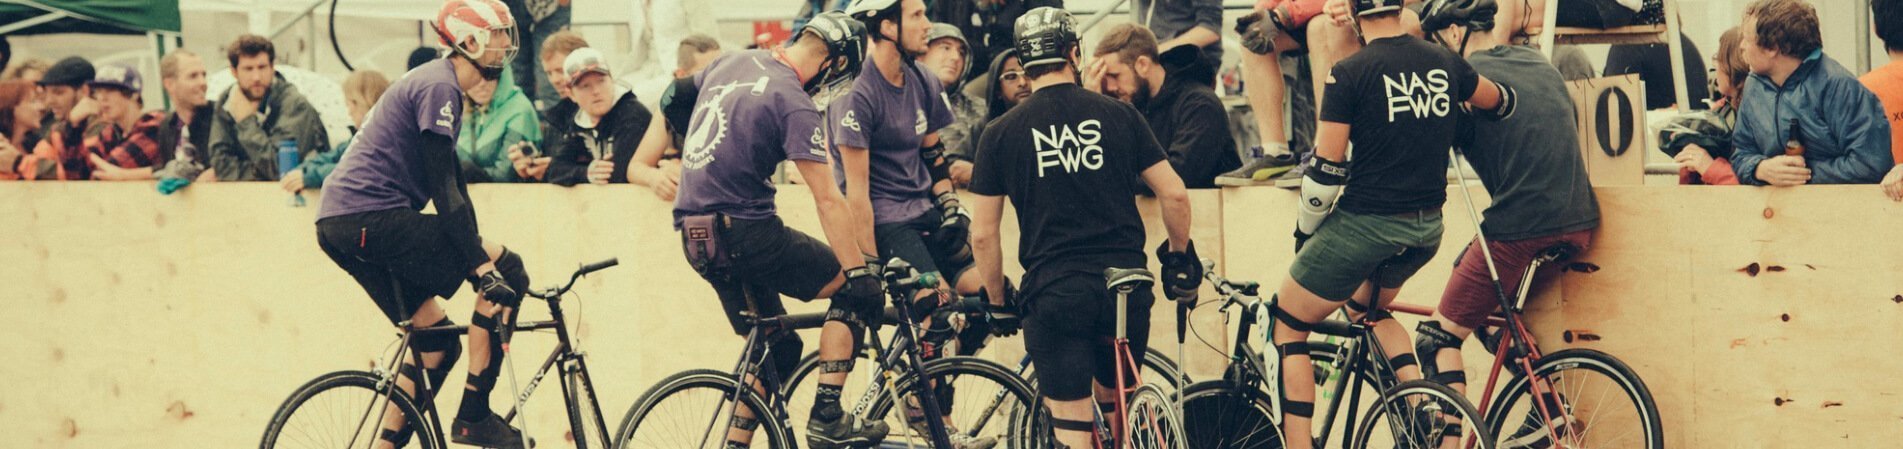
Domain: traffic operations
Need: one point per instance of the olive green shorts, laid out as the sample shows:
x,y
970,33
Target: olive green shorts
x,y
1351,248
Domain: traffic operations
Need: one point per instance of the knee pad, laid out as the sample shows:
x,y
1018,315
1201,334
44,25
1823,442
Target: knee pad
x,y
960,254
786,349
1291,407
486,381
936,164
1432,339
854,319
510,264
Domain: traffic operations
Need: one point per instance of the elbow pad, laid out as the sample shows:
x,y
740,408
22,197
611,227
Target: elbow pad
x,y
936,161
1321,184
1509,101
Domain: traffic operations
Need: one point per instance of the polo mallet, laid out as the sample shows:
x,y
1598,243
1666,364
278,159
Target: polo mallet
x,y
521,401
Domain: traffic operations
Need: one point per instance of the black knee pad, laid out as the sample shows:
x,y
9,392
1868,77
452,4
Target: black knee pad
x,y
487,380
1431,340
855,321
510,264
786,348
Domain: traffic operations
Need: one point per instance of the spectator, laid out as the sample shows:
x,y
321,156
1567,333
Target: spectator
x,y
604,132
1277,28
70,109
986,24
1653,63
122,145
1704,157
1009,87
1197,23
948,57
499,117
1175,94
1887,83
361,91
261,112
28,69
20,113
423,55
538,19
185,134
531,163
677,104
1794,87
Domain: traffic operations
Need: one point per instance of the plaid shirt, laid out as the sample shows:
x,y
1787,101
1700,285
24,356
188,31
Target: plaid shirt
x,y
135,148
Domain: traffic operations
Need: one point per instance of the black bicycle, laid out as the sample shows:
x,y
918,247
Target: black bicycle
x,y
695,408
1242,410
347,409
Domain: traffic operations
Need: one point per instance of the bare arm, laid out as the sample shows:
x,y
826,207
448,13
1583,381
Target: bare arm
x,y
857,161
986,212
1174,199
645,169
1331,141
839,227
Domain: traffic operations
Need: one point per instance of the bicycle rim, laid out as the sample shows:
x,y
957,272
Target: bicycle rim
x,y
1152,421
689,408
1420,415
1219,415
343,410
1603,404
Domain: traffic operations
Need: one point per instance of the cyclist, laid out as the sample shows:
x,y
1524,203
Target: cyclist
x,y
1070,161
753,112
1529,213
1395,101
404,158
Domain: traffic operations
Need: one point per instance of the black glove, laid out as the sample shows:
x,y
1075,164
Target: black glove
x,y
1182,271
862,290
494,288
1301,238
1258,31
1005,319
956,225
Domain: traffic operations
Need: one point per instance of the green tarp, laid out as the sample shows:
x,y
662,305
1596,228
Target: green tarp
x,y
89,16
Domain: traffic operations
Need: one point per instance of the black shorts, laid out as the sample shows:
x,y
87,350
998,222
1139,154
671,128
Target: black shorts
x,y
396,248
1071,326
914,241
769,260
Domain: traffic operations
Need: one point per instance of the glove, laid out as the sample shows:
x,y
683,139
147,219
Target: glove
x,y
169,185
956,227
1258,31
1301,238
1004,319
494,288
1182,273
863,290
873,264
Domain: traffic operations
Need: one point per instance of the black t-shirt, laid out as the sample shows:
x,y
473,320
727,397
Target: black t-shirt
x,y
1070,161
1401,98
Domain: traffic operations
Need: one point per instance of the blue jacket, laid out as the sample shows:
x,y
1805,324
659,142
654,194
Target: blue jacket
x,y
1846,139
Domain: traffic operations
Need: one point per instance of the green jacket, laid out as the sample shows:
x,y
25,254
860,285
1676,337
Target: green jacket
x,y
318,166
248,150
488,131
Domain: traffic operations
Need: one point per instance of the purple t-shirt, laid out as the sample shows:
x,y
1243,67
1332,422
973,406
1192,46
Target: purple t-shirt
x,y
751,115
383,168
891,122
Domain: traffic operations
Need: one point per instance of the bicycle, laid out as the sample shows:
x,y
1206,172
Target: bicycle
x,y
1144,417
321,413
673,414
1242,410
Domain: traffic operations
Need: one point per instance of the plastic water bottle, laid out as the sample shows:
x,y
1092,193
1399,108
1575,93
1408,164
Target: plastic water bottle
x,y
288,160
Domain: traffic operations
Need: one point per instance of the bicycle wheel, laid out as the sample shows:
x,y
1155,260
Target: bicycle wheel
x,y
1152,422
1158,369
1219,414
584,412
1594,417
341,410
690,408
1419,414
986,402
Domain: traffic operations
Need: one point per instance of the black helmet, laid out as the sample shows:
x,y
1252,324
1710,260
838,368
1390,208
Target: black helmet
x,y
1370,7
845,48
1045,35
1476,15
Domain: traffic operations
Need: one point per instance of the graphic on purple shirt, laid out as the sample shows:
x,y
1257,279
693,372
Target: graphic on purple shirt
x,y
382,169
891,122
750,116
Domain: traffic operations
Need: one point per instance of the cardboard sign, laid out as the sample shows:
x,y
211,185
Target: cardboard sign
x,y
1610,113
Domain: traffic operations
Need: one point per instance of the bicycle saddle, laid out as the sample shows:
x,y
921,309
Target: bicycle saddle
x,y
1133,278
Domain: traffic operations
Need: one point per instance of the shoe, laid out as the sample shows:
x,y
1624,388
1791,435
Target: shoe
x,y
1532,433
847,431
1293,178
490,431
1261,170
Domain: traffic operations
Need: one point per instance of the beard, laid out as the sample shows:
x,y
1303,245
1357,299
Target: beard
x,y
257,96
1141,96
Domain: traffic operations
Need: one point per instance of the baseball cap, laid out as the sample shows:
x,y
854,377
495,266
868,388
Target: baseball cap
x,y
583,61
118,76
72,71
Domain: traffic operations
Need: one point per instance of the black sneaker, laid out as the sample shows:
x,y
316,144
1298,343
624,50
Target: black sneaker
x,y
1533,434
1259,171
490,431
847,431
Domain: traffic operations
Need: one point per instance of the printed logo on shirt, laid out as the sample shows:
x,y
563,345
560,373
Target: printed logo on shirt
x,y
1417,95
1068,147
708,127
448,115
849,121
919,126
819,142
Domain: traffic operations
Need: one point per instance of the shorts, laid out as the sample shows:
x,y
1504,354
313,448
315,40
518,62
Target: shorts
x,y
769,260
1352,248
1300,11
914,241
1070,328
1470,296
398,255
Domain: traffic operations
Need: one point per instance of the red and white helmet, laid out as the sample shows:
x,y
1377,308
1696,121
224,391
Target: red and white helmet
x,y
462,20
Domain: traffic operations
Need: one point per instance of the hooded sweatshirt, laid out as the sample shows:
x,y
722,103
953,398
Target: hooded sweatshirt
x,y
1189,120
247,150
994,105
489,131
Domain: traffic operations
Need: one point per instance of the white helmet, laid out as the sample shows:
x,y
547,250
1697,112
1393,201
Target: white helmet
x,y
462,20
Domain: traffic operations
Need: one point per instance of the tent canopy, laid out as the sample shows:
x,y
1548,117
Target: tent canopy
x,y
88,16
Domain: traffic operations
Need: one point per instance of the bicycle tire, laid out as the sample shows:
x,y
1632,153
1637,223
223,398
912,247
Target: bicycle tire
x,y
426,436
1418,434
1152,421
1007,422
584,420
1219,414
720,385
1645,414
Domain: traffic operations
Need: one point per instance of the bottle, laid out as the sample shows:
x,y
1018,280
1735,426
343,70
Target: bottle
x,y
288,160
1792,145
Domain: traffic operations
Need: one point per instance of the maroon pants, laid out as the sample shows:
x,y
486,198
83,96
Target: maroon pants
x,y
1470,297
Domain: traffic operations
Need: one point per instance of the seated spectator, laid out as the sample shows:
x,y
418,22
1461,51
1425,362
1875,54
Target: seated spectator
x,y
185,134
1006,87
27,69
1653,63
530,161
1795,88
1887,83
1174,92
70,109
122,144
361,91
602,135
261,112
986,24
499,117
20,112
947,56
1701,145
1196,23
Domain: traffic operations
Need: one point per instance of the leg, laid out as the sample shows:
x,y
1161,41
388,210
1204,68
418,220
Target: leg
x,y
1393,337
1263,74
1066,350
1295,310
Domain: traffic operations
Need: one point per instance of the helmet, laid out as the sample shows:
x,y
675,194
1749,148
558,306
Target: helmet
x,y
462,20
948,31
1476,15
870,12
1371,7
1044,35
845,48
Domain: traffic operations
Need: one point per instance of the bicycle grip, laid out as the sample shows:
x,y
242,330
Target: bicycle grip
x,y
598,266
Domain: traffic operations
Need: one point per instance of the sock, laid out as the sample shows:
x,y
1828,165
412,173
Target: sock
x,y
826,403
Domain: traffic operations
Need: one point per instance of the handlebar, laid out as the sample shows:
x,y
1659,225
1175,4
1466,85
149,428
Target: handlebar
x,y
1231,291
584,270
